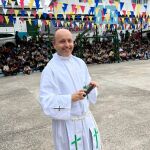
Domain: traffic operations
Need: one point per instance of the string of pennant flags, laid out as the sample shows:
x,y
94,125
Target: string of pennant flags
x,y
112,15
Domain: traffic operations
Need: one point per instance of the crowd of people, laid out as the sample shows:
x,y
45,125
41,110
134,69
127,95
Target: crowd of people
x,y
102,50
33,55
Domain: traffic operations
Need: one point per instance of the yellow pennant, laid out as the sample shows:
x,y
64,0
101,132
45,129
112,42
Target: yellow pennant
x,y
116,4
96,10
55,14
30,5
10,1
66,24
138,7
59,6
73,17
39,14
7,19
29,20
123,20
16,12
48,22
107,16
90,17
95,26
89,2
78,7
128,13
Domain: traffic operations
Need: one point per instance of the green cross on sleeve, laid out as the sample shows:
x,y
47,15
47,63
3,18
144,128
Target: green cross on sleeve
x,y
96,137
76,141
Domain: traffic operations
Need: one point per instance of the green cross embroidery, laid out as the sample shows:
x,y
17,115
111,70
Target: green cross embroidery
x,y
75,141
95,135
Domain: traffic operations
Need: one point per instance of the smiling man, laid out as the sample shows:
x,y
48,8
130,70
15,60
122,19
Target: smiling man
x,y
63,97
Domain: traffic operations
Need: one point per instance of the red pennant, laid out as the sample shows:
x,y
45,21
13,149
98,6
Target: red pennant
x,y
11,11
75,11
103,18
124,12
69,17
133,5
51,7
50,15
110,1
87,18
1,19
82,8
34,13
44,22
55,4
73,7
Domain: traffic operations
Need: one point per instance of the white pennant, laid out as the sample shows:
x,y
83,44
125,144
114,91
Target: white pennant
x,y
82,17
5,11
29,13
12,4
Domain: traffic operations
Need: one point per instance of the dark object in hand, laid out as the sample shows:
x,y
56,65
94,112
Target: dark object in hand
x,y
89,89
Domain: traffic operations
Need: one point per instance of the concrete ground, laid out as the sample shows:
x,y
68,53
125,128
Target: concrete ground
x,y
122,110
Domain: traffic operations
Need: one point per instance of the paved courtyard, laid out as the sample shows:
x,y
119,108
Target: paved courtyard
x,y
122,110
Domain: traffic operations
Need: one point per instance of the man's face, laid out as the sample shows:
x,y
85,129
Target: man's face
x,y
64,43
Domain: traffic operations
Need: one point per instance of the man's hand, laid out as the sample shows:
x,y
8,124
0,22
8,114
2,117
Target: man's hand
x,y
94,84
78,96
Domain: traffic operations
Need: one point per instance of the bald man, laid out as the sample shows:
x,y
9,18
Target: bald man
x,y
63,98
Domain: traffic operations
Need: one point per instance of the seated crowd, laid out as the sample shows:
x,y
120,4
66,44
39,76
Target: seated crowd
x,y
33,55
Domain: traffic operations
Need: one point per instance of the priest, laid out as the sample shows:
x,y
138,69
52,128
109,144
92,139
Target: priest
x,y
63,97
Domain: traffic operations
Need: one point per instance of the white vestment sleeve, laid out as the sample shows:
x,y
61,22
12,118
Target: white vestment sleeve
x,y
55,105
92,96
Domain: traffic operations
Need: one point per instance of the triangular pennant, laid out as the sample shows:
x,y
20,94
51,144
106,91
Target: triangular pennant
x,y
22,12
34,13
73,17
12,4
96,2
145,6
50,15
37,4
82,17
1,19
29,13
73,7
121,5
16,12
90,17
82,8
96,11
133,6
51,7
124,12
138,7
11,11
90,2
29,20
116,4
44,15
6,19
55,15
5,11
22,4
48,23
64,7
